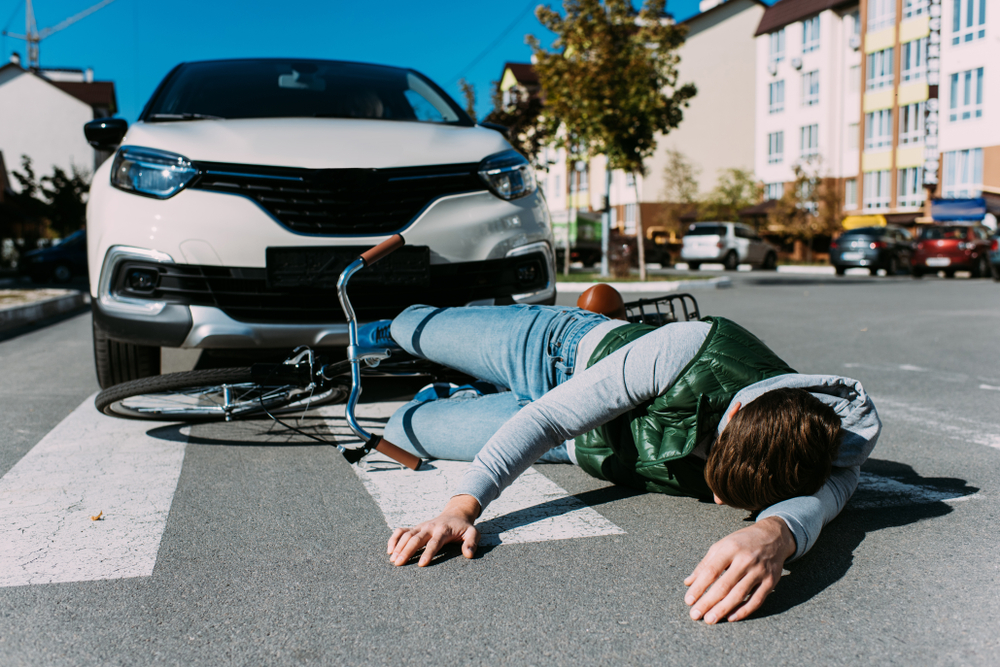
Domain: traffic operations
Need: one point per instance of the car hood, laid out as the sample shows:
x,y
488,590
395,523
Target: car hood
x,y
319,143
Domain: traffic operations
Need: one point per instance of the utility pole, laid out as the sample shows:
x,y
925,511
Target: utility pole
x,y
32,36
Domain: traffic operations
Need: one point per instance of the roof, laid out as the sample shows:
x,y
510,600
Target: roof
x,y
758,210
783,12
96,94
712,10
524,72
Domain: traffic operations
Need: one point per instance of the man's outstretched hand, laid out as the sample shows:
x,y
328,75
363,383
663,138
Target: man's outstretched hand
x,y
454,524
745,563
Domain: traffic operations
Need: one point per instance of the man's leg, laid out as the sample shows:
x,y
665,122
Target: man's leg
x,y
528,349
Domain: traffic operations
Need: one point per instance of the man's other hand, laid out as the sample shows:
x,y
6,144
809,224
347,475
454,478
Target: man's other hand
x,y
454,524
739,571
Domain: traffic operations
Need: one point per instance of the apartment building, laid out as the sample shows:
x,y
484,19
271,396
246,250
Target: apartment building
x,y
914,115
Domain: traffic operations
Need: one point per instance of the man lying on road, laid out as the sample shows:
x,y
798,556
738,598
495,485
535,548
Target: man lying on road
x,y
701,409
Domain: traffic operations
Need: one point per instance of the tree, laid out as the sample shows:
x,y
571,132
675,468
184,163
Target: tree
x,y
611,82
528,135
735,190
469,93
811,207
680,178
59,199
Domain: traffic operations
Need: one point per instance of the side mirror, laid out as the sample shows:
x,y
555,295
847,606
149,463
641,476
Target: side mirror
x,y
105,133
502,129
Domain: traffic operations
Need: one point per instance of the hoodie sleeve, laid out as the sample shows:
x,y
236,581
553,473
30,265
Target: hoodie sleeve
x,y
807,515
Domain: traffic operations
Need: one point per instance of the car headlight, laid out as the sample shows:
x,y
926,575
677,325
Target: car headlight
x,y
508,175
151,172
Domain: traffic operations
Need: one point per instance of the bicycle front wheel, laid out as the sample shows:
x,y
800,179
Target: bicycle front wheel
x,y
209,395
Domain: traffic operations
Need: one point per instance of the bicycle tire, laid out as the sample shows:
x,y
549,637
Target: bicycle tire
x,y
199,396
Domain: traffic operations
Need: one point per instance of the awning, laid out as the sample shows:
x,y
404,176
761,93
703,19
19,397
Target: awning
x,y
856,221
958,209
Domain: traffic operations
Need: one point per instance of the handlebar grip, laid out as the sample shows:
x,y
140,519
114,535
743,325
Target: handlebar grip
x,y
393,452
391,244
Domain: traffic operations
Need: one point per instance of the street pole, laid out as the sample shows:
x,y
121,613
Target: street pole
x,y
606,221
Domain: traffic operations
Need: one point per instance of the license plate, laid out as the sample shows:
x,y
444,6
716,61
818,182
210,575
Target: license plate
x,y
938,261
852,256
320,266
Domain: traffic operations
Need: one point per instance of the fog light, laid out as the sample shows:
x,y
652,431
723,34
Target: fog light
x,y
527,273
142,280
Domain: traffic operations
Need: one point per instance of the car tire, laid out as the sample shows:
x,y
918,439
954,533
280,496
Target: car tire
x,y
995,268
839,270
770,262
949,274
62,273
117,361
731,261
982,269
893,267
694,266
916,273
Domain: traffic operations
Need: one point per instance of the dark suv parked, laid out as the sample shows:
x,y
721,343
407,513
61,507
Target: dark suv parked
x,y
872,248
951,248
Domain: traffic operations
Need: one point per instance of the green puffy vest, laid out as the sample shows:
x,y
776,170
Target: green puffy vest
x,y
648,447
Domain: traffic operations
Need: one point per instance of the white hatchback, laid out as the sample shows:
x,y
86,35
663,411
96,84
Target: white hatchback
x,y
247,185
728,243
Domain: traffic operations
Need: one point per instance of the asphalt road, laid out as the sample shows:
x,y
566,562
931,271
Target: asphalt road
x,y
273,549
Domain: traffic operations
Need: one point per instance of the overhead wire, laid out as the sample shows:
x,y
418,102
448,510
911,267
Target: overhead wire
x,y
493,45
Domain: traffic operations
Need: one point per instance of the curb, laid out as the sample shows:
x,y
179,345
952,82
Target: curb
x,y
14,317
661,286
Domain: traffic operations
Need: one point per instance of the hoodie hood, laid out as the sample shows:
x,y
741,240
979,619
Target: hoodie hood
x,y
319,143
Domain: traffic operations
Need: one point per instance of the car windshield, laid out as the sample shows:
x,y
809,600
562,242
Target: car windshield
x,y
707,230
275,88
864,231
936,233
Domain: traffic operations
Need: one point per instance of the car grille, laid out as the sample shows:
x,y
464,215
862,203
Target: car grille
x,y
244,294
340,201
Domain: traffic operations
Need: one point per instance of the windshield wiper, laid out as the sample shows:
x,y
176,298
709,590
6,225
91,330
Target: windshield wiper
x,y
184,116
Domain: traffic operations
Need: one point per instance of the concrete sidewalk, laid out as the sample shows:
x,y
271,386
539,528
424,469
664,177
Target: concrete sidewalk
x,y
22,307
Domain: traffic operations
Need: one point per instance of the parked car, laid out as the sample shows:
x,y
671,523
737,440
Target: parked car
x,y
951,248
588,253
730,243
872,248
58,263
246,186
995,256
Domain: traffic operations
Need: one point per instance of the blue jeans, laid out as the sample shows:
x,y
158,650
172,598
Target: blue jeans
x,y
525,349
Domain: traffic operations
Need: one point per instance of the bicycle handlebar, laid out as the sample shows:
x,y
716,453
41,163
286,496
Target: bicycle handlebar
x,y
391,244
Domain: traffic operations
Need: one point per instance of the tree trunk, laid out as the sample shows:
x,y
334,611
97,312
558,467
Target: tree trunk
x,y
606,221
571,215
640,236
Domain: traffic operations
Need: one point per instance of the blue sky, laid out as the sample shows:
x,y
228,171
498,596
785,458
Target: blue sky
x,y
136,42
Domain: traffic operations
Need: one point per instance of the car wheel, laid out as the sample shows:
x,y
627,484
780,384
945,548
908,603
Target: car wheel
x,y
996,272
893,267
731,261
839,270
118,362
916,273
62,273
872,271
694,266
949,274
770,262
982,269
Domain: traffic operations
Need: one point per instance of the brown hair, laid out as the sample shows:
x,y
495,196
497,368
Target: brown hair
x,y
779,446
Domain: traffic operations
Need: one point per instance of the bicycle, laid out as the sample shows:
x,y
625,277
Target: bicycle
x,y
305,380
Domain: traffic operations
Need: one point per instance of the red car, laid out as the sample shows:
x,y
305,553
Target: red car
x,y
951,248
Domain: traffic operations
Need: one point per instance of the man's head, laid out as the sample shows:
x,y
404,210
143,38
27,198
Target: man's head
x,y
781,445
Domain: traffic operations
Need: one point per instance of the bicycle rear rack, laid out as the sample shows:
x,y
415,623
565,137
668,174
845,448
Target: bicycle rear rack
x,y
663,310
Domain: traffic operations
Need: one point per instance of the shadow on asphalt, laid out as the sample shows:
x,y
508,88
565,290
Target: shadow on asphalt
x,y
833,555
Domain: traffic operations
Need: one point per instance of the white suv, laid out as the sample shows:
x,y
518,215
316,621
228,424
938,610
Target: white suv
x,y
730,243
247,185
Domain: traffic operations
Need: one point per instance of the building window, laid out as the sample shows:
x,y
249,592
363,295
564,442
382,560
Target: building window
x,y
773,190
966,95
877,189
911,123
879,74
776,97
913,60
963,173
851,194
810,34
776,50
913,8
968,21
775,147
583,182
909,190
852,136
629,179
630,210
881,14
878,130
854,79
809,139
810,88
557,182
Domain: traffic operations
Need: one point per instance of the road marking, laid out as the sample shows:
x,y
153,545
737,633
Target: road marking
x,y
876,491
952,426
87,464
532,509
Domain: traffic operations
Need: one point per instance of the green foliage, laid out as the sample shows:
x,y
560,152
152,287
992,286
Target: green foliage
x,y
735,190
523,118
611,78
680,179
60,199
469,93
811,207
